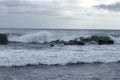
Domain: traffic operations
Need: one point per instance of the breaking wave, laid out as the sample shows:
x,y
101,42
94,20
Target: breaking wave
x,y
49,36
58,55
24,54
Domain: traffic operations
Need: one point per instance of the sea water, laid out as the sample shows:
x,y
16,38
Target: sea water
x,y
29,53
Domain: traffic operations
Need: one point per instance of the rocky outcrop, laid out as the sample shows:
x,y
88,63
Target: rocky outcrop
x,y
3,39
95,39
99,39
101,42
74,42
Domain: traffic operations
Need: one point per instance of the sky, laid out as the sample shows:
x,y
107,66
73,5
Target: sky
x,y
60,14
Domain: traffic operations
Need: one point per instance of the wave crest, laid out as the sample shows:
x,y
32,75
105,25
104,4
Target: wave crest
x,y
45,36
50,36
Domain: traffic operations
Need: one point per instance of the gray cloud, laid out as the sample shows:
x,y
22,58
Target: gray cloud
x,y
13,3
112,7
53,7
25,7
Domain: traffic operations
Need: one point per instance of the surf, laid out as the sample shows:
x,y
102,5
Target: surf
x,y
51,36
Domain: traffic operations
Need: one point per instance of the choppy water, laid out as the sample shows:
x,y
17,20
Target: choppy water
x,y
109,71
61,62
32,47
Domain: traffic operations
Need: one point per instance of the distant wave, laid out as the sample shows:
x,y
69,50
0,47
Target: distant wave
x,y
49,36
44,36
77,63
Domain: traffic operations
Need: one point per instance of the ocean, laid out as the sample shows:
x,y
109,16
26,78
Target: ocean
x,y
30,56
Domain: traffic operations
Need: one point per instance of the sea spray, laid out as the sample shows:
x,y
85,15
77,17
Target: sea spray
x,y
49,36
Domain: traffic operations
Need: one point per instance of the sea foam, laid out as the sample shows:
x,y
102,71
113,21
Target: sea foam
x,y
49,36
61,56
22,55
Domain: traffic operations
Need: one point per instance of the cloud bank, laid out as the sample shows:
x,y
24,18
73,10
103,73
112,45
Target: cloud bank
x,y
41,7
60,13
56,7
112,7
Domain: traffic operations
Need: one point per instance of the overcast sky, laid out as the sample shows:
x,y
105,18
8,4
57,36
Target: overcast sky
x,y
69,14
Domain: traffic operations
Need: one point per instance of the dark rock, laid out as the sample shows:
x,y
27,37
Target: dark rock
x,y
74,42
52,45
100,39
57,41
3,39
97,38
85,39
101,42
94,38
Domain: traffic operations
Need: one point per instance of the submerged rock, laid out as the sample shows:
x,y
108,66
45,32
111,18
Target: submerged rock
x,y
3,39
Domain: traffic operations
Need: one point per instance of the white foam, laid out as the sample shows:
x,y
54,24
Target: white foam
x,y
58,55
68,54
47,36
116,39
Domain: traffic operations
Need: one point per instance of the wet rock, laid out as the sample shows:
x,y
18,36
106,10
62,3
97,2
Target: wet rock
x,y
74,42
85,39
97,38
52,45
101,42
100,39
3,39
57,41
